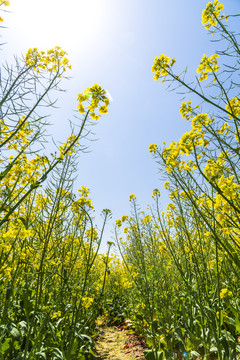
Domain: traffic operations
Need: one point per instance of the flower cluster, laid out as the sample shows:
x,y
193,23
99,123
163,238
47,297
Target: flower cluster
x,y
199,121
132,197
161,66
67,148
17,139
147,219
207,65
83,201
156,193
224,129
124,218
52,60
185,109
93,96
87,302
119,222
153,148
211,13
188,142
225,292
233,107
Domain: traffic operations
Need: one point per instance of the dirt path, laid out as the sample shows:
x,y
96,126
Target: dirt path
x,y
116,344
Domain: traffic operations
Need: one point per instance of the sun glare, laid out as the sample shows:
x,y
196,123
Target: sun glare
x,y
72,25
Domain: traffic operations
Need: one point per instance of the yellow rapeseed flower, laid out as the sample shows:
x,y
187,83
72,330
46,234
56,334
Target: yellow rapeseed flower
x,y
211,14
153,148
132,197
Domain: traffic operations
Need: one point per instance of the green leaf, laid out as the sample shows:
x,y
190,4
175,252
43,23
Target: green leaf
x,y
16,345
149,341
42,354
188,345
139,317
74,347
195,353
23,326
221,318
231,321
229,337
191,344
20,357
161,355
5,346
210,310
58,354
86,337
225,345
152,355
237,323
15,333
149,355
178,335
59,322
155,325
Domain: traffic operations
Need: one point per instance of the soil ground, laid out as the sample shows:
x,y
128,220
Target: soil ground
x,y
119,344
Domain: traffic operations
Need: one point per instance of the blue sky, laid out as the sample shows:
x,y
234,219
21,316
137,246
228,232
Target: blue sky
x,y
113,43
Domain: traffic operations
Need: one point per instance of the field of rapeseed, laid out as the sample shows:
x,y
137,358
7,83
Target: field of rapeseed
x,y
177,276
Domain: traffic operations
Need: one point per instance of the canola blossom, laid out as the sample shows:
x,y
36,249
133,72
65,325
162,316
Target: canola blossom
x,y
208,65
233,107
132,197
161,66
153,148
211,13
96,98
52,60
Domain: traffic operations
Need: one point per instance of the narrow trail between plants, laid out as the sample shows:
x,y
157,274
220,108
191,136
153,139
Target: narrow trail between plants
x,y
118,344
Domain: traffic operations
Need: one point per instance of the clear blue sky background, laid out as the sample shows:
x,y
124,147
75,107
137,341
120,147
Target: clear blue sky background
x,y
113,43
